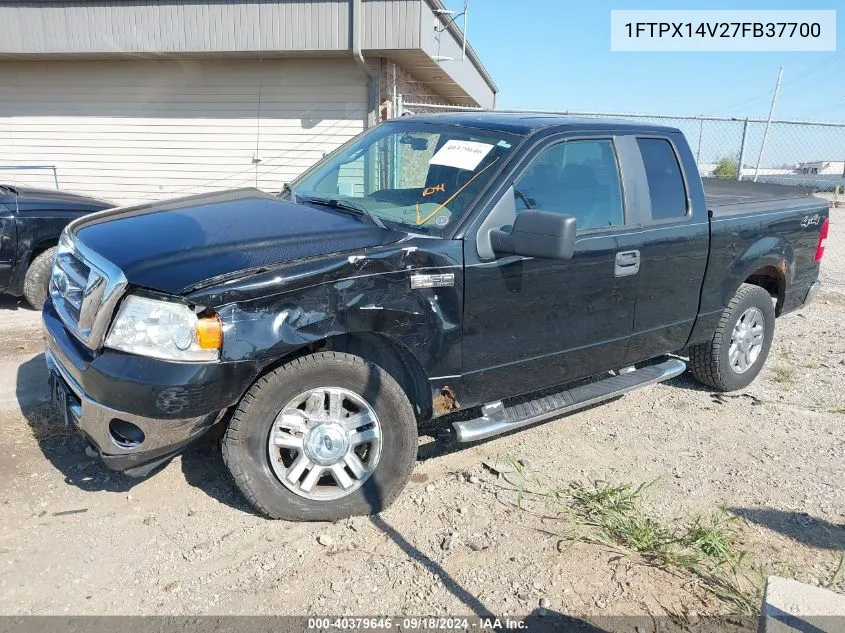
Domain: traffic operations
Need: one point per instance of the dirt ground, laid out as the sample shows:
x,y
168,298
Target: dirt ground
x,y
76,538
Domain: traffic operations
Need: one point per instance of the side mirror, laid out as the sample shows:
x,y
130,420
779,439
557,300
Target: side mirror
x,y
537,234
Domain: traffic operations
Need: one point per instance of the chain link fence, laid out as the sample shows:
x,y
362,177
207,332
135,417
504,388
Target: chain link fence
x,y
803,153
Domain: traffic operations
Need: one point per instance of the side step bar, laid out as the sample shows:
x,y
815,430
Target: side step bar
x,y
498,418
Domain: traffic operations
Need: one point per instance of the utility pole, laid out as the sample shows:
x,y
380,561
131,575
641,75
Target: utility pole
x,y
742,148
768,123
464,44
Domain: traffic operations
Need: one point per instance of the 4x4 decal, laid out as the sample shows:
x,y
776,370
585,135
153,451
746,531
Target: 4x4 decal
x,y
810,220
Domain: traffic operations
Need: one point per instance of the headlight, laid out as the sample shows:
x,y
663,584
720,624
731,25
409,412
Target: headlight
x,y
59,280
162,329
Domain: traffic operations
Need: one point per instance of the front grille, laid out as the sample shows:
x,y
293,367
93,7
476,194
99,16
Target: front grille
x,y
85,289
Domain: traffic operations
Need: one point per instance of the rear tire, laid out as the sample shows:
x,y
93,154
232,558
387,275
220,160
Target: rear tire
x,y
305,410
36,284
740,345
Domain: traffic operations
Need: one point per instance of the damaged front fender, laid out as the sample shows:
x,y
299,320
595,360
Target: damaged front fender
x,y
273,313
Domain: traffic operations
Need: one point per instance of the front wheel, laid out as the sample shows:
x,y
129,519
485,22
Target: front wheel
x,y
36,283
740,345
321,438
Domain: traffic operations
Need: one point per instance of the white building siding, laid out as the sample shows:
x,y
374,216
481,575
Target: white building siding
x,y
415,33
153,26
131,131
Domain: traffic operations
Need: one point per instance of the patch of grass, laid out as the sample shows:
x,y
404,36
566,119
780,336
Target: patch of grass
x,y
821,404
599,498
613,515
714,536
837,574
523,476
783,375
615,510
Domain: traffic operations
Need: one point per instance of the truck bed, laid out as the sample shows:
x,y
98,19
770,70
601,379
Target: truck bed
x,y
729,197
749,218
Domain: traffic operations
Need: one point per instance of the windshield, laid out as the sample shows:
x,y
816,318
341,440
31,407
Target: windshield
x,y
421,176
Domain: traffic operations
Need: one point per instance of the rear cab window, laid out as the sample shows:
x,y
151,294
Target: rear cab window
x,y
666,186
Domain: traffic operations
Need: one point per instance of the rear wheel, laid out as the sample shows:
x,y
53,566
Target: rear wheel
x,y
741,343
323,437
36,283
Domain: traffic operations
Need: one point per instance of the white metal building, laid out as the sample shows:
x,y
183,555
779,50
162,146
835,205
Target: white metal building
x,y
153,99
822,168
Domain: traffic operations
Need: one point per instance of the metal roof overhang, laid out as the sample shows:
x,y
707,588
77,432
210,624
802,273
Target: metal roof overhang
x,y
417,34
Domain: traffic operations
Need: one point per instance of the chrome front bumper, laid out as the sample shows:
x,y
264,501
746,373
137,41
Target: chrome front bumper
x,y
161,438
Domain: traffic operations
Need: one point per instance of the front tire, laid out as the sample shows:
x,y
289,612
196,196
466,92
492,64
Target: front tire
x,y
321,438
36,283
740,345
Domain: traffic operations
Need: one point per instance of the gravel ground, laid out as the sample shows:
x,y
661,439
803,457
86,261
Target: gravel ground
x,y
76,538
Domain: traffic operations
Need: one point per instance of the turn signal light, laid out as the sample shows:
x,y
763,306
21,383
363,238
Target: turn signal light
x,y
209,332
822,240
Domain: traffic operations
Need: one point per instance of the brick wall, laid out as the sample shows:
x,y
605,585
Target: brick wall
x,y
414,163
406,84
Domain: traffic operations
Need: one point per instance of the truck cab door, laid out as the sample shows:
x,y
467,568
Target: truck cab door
x,y
532,322
674,251
8,245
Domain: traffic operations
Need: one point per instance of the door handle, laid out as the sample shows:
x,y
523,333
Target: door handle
x,y
627,263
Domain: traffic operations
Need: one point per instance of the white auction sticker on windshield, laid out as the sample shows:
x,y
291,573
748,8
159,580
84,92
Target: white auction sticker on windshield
x,y
461,154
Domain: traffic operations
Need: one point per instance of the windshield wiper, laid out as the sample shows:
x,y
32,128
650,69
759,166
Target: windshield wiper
x,y
344,205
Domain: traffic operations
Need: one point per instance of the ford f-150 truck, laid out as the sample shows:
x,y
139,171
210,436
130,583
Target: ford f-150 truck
x,y
510,267
31,221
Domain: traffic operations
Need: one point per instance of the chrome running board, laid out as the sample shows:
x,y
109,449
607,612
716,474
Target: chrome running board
x,y
499,418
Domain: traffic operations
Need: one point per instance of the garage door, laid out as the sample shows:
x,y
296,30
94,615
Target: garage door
x,y
134,131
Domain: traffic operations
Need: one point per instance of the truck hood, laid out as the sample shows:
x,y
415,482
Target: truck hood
x,y
32,200
173,246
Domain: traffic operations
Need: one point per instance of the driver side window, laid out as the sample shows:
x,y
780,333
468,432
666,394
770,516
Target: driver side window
x,y
577,178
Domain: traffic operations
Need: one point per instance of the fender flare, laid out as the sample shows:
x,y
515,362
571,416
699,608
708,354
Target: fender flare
x,y
766,253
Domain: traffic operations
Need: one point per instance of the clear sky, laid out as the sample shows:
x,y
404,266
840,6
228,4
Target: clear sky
x,y
555,54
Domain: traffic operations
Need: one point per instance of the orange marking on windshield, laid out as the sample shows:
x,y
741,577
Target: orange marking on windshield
x,y
450,198
430,191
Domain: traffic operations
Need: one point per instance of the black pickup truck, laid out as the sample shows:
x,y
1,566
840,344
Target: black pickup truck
x,y
434,264
31,221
